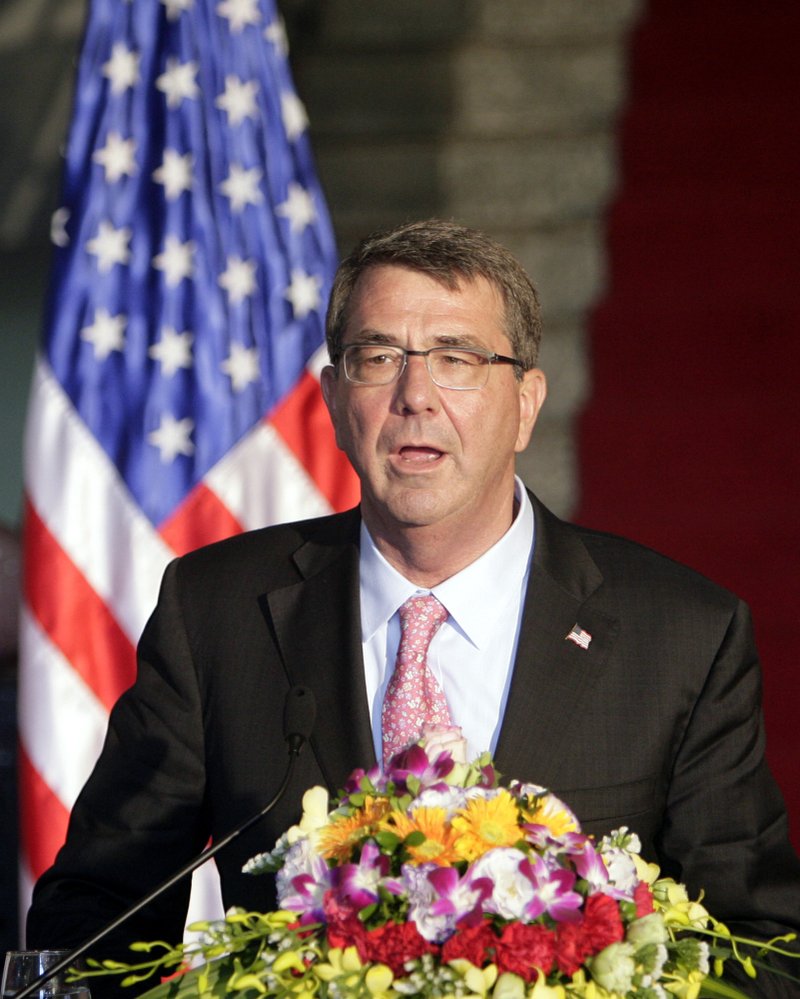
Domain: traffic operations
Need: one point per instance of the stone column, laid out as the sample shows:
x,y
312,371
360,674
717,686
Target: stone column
x,y
498,113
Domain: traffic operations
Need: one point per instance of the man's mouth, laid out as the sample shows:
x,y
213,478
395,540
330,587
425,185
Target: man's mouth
x,y
419,454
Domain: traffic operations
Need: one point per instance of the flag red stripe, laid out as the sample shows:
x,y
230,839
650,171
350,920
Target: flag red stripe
x,y
43,818
75,618
200,519
302,420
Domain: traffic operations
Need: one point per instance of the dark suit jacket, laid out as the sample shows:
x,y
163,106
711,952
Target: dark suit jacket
x,y
656,725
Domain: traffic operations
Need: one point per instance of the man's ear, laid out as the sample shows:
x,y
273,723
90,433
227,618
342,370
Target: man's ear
x,y
532,393
327,381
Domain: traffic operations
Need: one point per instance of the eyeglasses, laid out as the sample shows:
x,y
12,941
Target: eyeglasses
x,y
450,368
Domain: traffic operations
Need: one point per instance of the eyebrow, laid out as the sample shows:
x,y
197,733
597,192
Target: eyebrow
x,y
440,340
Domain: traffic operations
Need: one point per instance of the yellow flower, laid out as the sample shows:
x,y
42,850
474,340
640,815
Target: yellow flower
x,y
645,871
315,815
337,839
340,962
685,986
378,980
553,814
509,986
486,823
676,907
541,990
438,846
478,980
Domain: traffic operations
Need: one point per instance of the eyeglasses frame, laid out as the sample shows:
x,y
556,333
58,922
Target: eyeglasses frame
x,y
490,356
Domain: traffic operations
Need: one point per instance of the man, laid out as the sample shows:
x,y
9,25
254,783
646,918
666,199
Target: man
x,y
623,681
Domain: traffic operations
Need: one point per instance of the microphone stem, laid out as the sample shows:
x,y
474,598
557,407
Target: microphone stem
x,y
172,880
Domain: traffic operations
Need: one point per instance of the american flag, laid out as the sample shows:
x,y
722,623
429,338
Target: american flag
x,y
176,398
579,636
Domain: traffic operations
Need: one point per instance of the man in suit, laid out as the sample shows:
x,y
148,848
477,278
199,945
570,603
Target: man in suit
x,y
626,683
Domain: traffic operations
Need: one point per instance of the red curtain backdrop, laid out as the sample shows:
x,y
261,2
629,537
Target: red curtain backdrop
x,y
690,440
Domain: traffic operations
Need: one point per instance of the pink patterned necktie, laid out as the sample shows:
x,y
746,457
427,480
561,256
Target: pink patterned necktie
x,y
414,698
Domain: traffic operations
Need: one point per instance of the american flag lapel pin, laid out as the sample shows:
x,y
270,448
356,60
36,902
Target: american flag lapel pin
x,y
579,636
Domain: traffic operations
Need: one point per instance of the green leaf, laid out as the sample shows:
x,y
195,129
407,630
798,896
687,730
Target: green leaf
x,y
387,841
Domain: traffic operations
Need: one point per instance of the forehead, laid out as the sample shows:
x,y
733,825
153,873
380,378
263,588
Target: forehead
x,y
391,299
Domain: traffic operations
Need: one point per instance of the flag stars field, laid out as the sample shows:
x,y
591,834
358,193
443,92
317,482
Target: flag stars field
x,y
106,333
172,437
175,173
241,187
275,34
175,260
304,293
122,69
178,82
298,208
241,366
117,157
110,246
238,279
238,100
239,13
176,7
293,113
173,350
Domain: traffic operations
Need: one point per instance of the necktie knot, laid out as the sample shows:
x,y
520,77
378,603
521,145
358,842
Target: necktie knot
x,y
422,616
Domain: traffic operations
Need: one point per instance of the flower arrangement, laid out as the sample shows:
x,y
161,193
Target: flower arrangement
x,y
432,879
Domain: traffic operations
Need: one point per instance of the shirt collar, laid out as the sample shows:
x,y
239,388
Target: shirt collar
x,y
475,597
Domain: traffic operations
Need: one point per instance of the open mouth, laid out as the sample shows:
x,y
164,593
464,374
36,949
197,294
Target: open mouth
x,y
419,455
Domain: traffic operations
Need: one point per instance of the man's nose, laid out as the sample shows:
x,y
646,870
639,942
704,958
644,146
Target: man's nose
x,y
416,389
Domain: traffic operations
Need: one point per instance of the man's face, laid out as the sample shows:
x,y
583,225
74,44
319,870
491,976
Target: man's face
x,y
428,455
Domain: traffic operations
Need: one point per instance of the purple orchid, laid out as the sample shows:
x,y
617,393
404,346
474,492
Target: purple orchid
x,y
460,898
552,891
305,892
358,884
415,762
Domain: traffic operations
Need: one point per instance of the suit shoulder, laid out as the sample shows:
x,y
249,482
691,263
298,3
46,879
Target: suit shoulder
x,y
626,562
269,548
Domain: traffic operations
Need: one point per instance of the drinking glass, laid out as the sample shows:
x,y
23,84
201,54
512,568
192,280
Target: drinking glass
x,y
24,966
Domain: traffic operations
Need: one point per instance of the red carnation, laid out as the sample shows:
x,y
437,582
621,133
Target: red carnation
x,y
602,923
570,947
393,945
643,897
473,943
522,949
343,927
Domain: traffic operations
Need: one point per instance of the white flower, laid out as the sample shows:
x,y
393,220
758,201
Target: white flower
x,y
613,968
300,858
647,930
621,869
512,890
451,799
444,738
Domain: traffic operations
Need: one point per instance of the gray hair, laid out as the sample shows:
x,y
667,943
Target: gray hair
x,y
448,253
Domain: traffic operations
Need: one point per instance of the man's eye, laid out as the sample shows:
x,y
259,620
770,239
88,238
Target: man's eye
x,y
456,359
376,359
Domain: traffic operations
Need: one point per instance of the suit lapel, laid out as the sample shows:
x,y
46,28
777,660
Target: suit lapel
x,y
553,676
318,629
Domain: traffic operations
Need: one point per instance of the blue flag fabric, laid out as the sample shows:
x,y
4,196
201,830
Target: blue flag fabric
x,y
194,250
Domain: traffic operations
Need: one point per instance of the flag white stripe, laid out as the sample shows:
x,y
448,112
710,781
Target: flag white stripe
x,y
262,482
79,495
50,688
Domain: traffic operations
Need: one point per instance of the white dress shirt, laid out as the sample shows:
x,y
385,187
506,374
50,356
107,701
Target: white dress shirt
x,y
473,652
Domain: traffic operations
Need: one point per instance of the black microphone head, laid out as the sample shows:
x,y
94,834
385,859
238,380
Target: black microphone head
x,y
299,714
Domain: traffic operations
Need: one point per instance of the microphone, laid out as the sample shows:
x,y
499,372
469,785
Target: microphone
x,y
299,714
